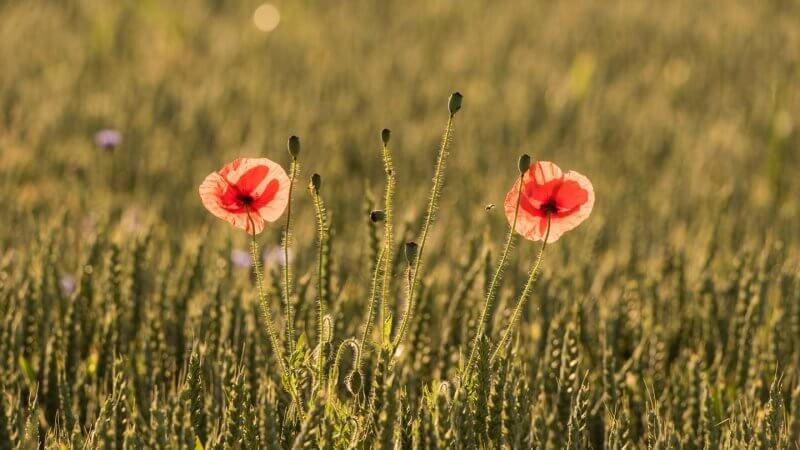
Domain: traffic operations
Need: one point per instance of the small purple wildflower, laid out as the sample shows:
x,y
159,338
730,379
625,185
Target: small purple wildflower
x,y
107,139
67,284
275,255
240,258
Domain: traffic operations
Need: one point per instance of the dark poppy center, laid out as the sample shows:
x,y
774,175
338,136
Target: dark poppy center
x,y
244,199
550,207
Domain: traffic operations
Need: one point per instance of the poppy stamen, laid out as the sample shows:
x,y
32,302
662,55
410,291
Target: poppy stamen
x,y
244,199
550,207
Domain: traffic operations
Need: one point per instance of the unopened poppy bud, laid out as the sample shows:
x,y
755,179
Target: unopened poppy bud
x,y
412,249
294,146
316,182
377,216
455,102
386,134
524,163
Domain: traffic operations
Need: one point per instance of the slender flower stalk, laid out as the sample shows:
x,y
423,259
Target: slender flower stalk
x,y
491,293
438,179
247,193
388,228
523,298
412,257
374,286
294,150
322,294
266,315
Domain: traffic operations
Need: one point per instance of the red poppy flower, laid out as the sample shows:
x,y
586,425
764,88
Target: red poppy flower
x,y
257,187
567,198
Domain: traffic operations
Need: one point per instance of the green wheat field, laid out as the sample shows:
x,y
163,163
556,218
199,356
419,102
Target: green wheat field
x,y
131,317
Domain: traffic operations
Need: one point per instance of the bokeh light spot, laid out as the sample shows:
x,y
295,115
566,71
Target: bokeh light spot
x,y
266,17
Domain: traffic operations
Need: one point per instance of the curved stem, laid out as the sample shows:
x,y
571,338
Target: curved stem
x,y
287,275
337,361
266,315
526,292
414,277
492,292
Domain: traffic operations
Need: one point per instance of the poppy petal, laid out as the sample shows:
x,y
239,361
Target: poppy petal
x,y
235,170
245,171
248,176
527,220
267,183
230,167
252,179
212,195
272,194
538,194
586,207
240,221
212,191
562,224
544,171
510,203
570,195
541,181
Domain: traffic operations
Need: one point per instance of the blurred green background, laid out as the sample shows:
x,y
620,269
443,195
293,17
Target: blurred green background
x,y
683,114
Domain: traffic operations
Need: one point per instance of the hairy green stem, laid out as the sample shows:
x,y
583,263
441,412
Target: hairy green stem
x,y
266,315
388,234
526,292
287,267
371,312
492,291
322,232
337,362
438,179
